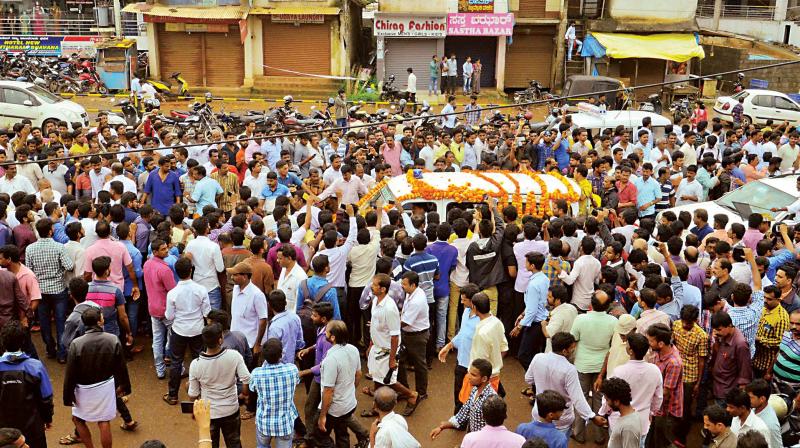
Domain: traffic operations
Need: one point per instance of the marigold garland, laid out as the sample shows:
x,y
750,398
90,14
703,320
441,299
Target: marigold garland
x,y
466,193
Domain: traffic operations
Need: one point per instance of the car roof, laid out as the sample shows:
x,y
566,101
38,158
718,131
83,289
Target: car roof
x,y
613,118
20,84
764,92
786,183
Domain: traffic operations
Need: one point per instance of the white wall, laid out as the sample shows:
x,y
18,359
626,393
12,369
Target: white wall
x,y
657,11
766,30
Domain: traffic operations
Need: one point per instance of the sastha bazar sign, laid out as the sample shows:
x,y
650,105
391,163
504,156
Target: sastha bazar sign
x,y
410,26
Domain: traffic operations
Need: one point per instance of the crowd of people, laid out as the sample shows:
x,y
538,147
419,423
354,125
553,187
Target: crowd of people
x,y
259,255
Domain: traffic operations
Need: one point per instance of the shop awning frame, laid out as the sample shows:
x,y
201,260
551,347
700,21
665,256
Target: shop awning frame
x,y
667,46
188,14
296,10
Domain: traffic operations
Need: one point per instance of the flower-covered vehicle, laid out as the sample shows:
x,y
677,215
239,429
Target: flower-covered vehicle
x,y
531,193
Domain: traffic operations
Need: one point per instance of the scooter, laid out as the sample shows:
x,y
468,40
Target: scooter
x,y
165,87
652,104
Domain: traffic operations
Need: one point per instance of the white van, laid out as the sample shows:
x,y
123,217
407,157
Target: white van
x,y
631,120
21,100
398,187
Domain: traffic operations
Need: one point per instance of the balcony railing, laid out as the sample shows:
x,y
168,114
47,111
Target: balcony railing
x,y
65,27
738,11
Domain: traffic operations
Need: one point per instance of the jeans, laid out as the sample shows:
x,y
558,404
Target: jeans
x,y
341,122
53,304
467,83
230,427
533,342
571,44
458,381
451,84
432,85
215,298
132,310
441,321
414,354
161,332
661,433
684,424
178,345
312,402
587,381
263,441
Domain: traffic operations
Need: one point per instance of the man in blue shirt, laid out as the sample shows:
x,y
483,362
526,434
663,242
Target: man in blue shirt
x,y
449,121
462,341
273,189
206,190
648,192
529,323
447,255
286,178
314,284
271,148
285,326
164,187
131,305
550,405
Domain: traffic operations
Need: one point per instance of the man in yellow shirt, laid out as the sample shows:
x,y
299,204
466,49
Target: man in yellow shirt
x,y
447,144
585,201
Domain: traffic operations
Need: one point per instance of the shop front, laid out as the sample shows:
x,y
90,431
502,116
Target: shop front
x,y
529,56
405,41
478,36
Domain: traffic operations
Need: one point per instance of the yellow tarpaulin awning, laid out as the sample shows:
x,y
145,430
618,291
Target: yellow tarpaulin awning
x,y
188,12
667,46
297,10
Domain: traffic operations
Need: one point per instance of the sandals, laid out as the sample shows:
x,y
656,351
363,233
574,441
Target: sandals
x,y
130,427
367,391
367,413
246,415
410,408
528,392
172,401
69,439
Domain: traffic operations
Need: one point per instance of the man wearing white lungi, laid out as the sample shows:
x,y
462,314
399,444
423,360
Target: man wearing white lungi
x,y
385,340
96,372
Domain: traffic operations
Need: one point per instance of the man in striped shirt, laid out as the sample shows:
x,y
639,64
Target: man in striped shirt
x,y
786,371
667,190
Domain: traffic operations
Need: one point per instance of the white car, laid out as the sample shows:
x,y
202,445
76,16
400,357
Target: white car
x,y
759,106
753,197
20,100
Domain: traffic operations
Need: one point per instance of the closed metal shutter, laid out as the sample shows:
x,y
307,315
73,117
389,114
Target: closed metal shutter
x,y
305,48
530,56
179,52
484,48
531,8
224,59
400,54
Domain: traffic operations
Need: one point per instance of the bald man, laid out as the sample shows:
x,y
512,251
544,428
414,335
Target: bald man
x,y
389,429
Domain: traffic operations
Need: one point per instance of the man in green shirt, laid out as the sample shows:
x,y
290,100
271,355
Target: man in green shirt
x,y
593,332
434,75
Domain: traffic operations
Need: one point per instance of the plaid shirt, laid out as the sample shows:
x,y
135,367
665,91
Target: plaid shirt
x,y
470,417
275,410
551,273
230,188
49,262
771,327
188,183
597,183
746,318
473,114
692,346
671,368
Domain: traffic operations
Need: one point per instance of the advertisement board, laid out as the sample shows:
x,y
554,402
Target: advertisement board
x,y
410,26
50,45
476,24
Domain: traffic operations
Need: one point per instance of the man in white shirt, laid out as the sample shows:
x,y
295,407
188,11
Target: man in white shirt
x,y
449,121
391,429
187,306
466,71
759,392
412,85
292,274
11,183
337,255
789,153
248,307
583,276
118,173
256,177
55,171
688,149
744,418
659,156
97,175
572,40
689,191
206,257
415,332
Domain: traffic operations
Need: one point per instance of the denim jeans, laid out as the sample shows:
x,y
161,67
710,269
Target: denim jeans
x,y
231,429
432,85
178,344
53,304
263,441
132,310
341,122
161,330
215,298
467,83
441,320
571,45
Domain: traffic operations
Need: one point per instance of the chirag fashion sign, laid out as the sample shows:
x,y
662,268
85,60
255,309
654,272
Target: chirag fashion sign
x,y
410,26
468,24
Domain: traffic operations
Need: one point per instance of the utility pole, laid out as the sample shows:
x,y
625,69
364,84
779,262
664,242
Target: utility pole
x,y
117,18
717,14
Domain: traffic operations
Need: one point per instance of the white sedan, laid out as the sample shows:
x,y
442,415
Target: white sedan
x,y
753,197
759,106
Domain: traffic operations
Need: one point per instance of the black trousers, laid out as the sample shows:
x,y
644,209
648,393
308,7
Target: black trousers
x,y
415,344
339,426
532,342
178,345
230,427
458,380
353,315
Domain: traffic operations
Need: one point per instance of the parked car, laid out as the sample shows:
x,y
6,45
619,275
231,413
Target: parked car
x,y
631,120
759,106
584,85
753,197
20,100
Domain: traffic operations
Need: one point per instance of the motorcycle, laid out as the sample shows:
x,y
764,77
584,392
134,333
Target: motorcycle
x,y
90,81
534,92
652,104
164,87
391,93
680,110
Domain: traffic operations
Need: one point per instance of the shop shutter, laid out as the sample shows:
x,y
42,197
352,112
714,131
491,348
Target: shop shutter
x,y
224,59
484,48
531,9
179,52
305,48
530,56
400,54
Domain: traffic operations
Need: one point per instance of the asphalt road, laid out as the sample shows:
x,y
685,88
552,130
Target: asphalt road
x,y
159,420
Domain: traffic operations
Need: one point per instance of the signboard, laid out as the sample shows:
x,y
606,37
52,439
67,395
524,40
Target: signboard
x,y
476,6
298,18
197,27
50,45
415,26
469,24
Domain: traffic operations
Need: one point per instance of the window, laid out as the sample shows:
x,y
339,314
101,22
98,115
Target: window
x,y
44,95
783,103
13,96
762,101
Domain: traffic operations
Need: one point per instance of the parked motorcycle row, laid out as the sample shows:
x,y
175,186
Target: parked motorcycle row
x,y
58,75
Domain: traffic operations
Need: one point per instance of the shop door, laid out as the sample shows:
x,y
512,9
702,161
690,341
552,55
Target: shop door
x,y
484,48
305,48
651,71
400,54
530,56
179,52
224,59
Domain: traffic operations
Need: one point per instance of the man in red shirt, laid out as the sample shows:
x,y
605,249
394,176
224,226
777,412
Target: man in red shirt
x,y
626,190
668,360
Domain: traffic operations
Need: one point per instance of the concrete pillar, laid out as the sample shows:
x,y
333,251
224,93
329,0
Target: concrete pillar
x,y
117,19
152,50
250,67
500,63
256,28
780,10
380,62
717,14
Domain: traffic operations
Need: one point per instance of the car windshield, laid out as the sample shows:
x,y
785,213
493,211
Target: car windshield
x,y
742,94
44,95
758,195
